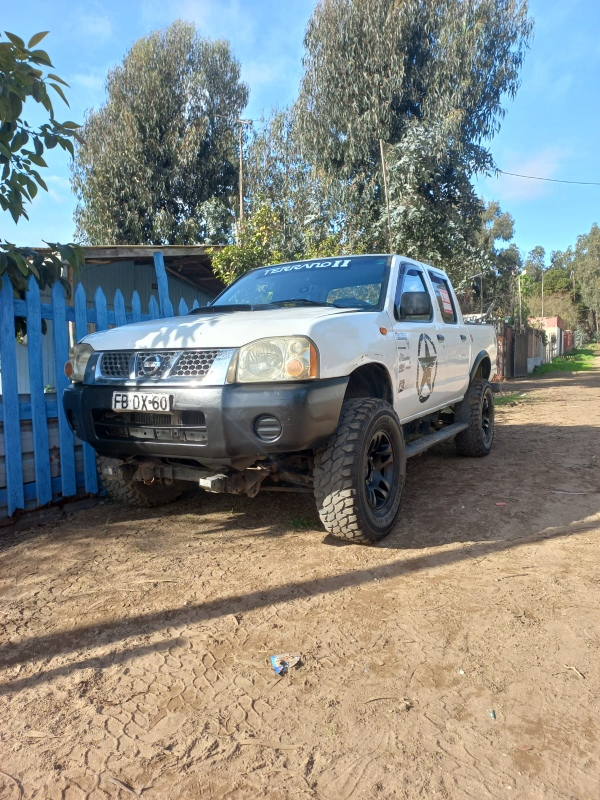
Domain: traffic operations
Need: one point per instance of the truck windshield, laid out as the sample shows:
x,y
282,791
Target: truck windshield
x,y
358,282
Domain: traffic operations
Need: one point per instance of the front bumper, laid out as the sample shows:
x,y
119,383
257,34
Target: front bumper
x,y
308,413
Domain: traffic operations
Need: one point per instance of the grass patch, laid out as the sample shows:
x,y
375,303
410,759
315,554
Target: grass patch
x,y
575,361
510,398
301,523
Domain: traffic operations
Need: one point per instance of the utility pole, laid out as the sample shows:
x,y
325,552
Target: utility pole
x,y
387,198
521,299
481,293
241,123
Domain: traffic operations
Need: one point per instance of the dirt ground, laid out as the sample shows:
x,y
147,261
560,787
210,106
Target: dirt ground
x,y
460,658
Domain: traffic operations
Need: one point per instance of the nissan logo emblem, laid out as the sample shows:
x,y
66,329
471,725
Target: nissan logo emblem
x,y
151,364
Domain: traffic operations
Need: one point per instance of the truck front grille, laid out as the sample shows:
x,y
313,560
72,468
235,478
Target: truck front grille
x,y
183,427
154,365
194,363
157,364
115,365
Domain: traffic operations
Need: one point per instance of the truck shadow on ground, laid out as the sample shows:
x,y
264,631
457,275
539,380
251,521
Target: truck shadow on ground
x,y
514,497
447,499
84,637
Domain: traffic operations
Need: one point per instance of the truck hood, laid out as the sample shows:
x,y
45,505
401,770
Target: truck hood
x,y
218,330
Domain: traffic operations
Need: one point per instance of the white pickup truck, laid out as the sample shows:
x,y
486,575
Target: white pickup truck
x,y
322,375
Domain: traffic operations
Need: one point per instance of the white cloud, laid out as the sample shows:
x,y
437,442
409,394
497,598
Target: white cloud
x,y
260,73
59,181
91,80
97,26
544,164
59,190
228,19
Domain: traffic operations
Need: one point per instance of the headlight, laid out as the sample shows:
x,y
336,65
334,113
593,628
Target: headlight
x,y
287,358
78,359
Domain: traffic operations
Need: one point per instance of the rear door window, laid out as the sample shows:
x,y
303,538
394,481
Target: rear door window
x,y
444,298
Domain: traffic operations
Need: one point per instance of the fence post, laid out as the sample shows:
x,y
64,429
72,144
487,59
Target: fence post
x,y
10,399
61,353
153,311
101,310
81,325
39,419
90,473
166,307
119,307
136,307
183,308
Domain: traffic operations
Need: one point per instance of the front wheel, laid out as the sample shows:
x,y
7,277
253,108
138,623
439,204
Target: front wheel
x,y
359,474
477,410
137,493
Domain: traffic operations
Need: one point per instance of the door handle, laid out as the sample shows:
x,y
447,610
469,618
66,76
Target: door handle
x,y
463,337
441,338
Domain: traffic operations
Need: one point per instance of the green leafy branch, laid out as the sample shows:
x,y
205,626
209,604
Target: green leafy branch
x,y
22,148
22,76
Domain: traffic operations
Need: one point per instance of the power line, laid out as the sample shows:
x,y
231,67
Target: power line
x,y
551,180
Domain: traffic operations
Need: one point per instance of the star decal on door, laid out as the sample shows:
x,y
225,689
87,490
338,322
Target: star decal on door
x,y
426,367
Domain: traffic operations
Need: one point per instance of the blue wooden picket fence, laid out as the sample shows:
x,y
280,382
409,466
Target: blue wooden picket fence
x,y
38,407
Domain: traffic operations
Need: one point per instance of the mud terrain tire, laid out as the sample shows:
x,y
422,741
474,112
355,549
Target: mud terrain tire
x,y
359,474
477,410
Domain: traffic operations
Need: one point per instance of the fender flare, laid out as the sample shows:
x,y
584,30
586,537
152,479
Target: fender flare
x,y
482,356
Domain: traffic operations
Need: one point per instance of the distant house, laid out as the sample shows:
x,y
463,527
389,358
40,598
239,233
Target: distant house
x,y
129,268
559,339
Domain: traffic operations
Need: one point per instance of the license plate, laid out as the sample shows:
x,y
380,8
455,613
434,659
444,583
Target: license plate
x,y
141,401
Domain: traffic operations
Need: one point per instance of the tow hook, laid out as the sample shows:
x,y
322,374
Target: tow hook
x,y
247,482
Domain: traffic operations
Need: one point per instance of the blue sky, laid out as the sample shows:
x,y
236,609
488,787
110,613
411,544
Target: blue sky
x,y
550,130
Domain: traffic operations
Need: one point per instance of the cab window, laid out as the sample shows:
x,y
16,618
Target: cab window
x,y
410,280
444,298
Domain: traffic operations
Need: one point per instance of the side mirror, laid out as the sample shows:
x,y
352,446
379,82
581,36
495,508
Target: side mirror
x,y
415,304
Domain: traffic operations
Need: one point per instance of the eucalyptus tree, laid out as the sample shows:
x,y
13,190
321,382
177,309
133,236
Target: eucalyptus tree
x,y
535,263
428,78
158,163
304,201
586,269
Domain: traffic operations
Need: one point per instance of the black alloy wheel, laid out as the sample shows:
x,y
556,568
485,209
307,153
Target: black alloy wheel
x,y
487,417
359,474
379,470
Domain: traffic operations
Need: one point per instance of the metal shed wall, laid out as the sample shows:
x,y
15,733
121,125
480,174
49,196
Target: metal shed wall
x,y
129,276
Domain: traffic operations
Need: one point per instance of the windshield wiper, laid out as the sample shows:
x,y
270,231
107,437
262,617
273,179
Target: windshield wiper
x,y
299,300
233,307
229,309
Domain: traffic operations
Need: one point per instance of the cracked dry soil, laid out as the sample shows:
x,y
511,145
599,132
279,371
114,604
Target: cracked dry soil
x,y
457,659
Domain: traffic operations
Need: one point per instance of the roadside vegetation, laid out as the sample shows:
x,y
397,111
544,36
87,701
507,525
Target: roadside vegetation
x,y
578,360
510,398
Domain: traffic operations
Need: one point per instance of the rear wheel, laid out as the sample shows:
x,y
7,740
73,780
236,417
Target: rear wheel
x,y
138,493
477,410
359,474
